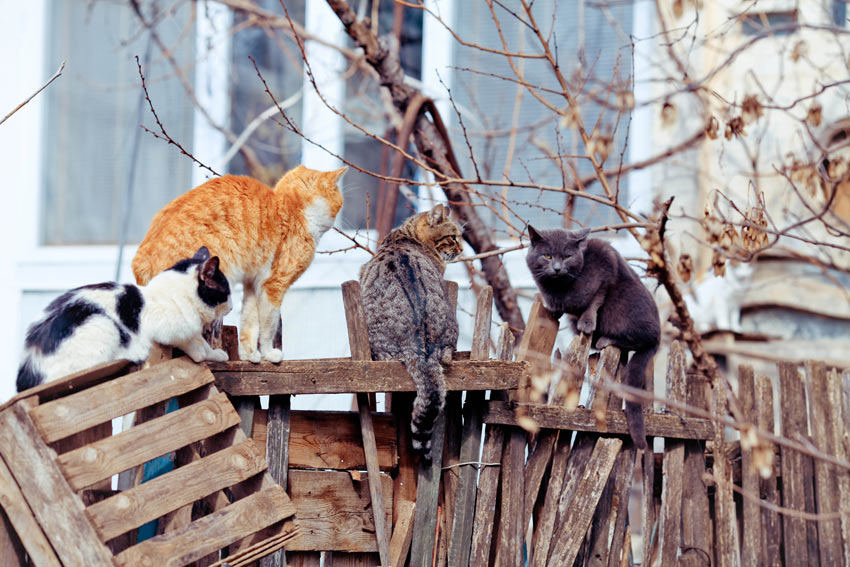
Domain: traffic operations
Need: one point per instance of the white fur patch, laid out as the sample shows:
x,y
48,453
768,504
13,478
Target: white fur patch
x,y
319,218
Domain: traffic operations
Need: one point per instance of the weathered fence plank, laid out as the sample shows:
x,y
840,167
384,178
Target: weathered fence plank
x,y
672,469
583,502
770,520
824,415
278,443
793,399
461,536
358,340
488,478
752,542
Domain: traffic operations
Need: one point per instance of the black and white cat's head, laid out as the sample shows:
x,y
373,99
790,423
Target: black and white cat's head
x,y
556,254
210,283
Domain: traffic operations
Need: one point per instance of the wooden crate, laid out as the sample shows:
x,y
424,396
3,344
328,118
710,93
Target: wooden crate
x,y
55,491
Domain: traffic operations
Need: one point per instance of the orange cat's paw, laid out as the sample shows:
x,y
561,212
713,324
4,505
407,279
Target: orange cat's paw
x,y
275,355
251,356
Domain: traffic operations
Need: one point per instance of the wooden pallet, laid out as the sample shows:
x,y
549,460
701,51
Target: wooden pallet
x,y
58,456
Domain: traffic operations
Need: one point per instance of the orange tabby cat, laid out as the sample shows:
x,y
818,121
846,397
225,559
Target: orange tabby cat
x,y
264,238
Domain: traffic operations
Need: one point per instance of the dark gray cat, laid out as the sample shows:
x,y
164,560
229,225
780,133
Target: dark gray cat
x,y
588,280
408,313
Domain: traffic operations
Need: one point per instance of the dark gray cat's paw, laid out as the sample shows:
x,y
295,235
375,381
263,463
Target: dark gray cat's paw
x,y
447,355
603,342
586,324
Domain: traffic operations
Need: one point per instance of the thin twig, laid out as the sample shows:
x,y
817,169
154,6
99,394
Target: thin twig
x,y
33,95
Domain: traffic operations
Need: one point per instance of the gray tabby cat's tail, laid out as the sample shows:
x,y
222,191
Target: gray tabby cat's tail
x,y
635,376
427,374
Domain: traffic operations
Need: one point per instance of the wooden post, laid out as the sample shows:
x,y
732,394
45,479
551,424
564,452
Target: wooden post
x,y
728,554
823,415
697,527
793,463
536,348
358,339
670,522
425,520
770,520
839,386
277,455
752,544
488,478
461,538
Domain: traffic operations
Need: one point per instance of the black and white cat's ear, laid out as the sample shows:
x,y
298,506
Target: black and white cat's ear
x,y
534,235
208,269
202,254
437,215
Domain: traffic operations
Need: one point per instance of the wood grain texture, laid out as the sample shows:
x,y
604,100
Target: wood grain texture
x,y
839,391
334,511
27,534
464,514
350,376
727,546
583,503
358,341
72,383
141,504
672,468
427,496
212,532
490,473
277,444
402,535
331,439
824,414
100,460
99,404
583,419
771,522
793,399
55,506
752,545
697,532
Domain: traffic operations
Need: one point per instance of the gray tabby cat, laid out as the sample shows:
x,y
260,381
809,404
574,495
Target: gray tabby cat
x,y
408,312
97,323
589,281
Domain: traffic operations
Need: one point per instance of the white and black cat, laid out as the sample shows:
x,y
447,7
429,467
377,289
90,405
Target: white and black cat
x,y
588,280
97,323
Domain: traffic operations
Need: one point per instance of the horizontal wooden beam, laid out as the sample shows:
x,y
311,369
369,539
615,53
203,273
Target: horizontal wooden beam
x,y
582,419
339,376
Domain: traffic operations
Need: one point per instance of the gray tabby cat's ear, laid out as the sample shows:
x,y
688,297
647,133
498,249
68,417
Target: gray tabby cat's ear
x,y
580,235
534,235
437,215
202,254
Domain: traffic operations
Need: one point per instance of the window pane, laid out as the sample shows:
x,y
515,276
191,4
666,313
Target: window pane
x,y
93,117
275,148
488,103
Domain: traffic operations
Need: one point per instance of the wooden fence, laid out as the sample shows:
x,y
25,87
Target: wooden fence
x,y
523,480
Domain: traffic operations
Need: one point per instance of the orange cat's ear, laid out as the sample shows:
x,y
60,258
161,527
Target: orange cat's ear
x,y
437,214
337,174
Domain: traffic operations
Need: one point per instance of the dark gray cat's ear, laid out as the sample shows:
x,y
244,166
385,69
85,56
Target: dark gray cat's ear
x,y
534,235
580,235
202,254
437,215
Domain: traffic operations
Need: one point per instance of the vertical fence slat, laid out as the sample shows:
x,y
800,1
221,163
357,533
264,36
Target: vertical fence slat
x,y
840,391
793,400
488,478
751,544
824,413
461,538
670,522
726,524
770,520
